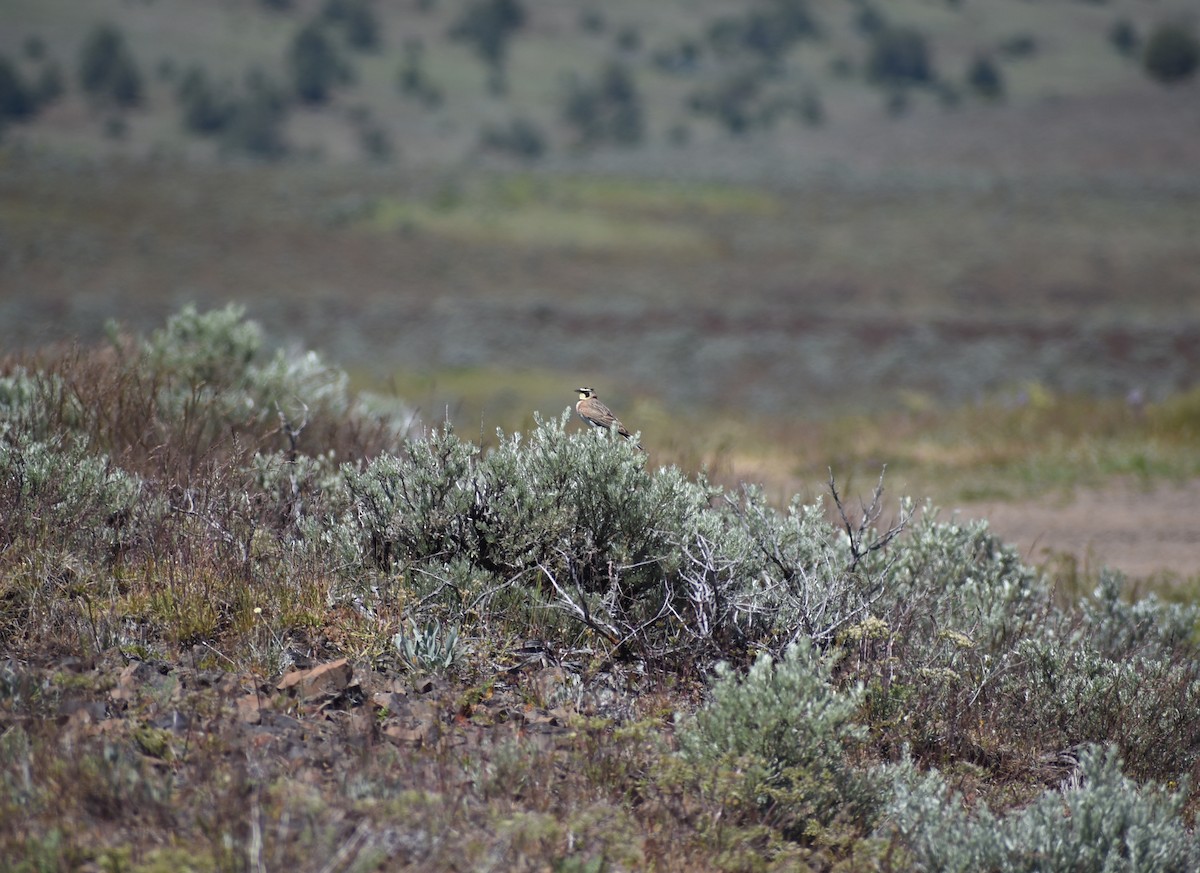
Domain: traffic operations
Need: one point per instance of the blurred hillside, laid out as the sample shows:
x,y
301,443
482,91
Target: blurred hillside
x,y
769,206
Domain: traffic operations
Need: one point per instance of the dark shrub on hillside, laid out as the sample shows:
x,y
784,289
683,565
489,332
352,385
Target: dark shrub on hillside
x,y
811,108
628,39
743,102
107,70
900,56
767,30
487,26
592,21
1172,53
256,125
520,138
733,102
357,21
49,85
681,57
205,108
1124,37
315,65
34,47
1019,45
869,20
250,123
985,78
376,143
607,110
413,80
17,100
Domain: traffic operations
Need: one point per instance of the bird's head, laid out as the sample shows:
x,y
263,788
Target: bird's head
x,y
585,393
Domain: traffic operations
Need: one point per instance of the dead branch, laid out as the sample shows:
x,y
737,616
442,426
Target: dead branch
x,y
862,536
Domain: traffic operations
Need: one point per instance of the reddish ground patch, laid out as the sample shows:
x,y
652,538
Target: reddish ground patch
x,y
1139,530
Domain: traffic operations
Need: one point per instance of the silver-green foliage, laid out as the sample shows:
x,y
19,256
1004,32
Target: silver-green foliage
x,y
431,647
30,401
577,514
413,506
1147,705
583,506
1100,821
756,575
776,738
1147,626
213,364
58,492
950,577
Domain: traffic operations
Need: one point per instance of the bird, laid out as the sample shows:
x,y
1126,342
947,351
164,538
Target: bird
x,y
592,410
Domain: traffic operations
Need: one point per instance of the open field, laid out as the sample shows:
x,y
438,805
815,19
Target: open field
x,y
489,297
253,619
735,296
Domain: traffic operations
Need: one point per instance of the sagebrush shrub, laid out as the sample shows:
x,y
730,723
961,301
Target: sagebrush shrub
x,y
1100,820
577,515
1145,706
199,394
57,494
1148,626
775,739
414,505
754,574
584,506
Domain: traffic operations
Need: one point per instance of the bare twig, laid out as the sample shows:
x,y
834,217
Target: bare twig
x,y
858,532
292,431
578,607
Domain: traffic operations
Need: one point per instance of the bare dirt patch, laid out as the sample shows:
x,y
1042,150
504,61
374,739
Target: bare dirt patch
x,y
1141,530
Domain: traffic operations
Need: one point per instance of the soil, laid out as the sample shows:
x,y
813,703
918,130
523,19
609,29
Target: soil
x,y
1141,530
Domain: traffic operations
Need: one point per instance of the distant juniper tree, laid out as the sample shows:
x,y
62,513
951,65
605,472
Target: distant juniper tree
x,y
519,137
107,70
250,122
734,102
1124,37
985,77
605,111
356,20
206,109
256,124
810,108
49,85
1172,53
412,79
766,31
315,65
900,56
868,19
34,47
487,26
17,99
1017,46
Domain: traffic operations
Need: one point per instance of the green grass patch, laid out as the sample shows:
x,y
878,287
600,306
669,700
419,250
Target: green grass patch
x,y
536,226
587,214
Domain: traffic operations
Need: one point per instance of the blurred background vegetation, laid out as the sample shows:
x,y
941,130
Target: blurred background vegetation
x,y
959,236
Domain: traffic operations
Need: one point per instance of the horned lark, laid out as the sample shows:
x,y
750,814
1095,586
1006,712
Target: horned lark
x,y
592,410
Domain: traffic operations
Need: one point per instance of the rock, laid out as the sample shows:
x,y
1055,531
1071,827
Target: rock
x,y
249,709
324,680
82,711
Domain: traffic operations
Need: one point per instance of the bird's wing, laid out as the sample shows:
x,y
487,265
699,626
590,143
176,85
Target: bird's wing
x,y
599,413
